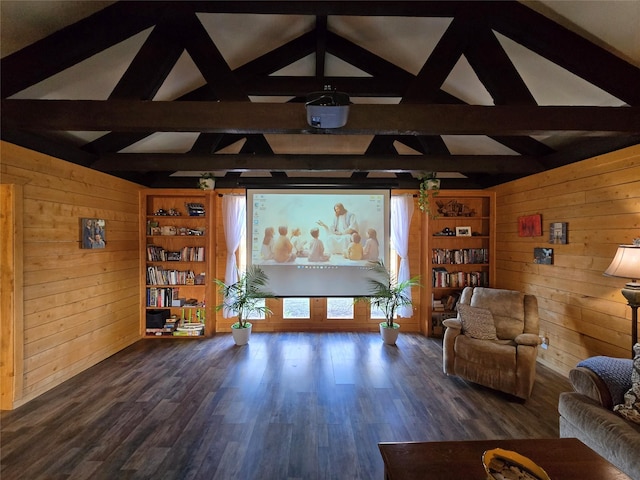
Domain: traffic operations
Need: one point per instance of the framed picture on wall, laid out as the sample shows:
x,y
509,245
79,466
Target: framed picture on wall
x,y
543,256
93,233
558,232
530,226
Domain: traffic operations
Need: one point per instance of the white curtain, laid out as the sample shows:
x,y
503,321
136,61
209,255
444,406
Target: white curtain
x,y
401,213
234,213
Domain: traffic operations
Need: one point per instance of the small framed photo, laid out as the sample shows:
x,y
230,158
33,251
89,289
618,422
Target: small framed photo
x,y
530,226
543,256
558,232
93,233
463,231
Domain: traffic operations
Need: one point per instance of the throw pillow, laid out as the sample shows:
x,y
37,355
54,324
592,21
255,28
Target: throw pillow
x,y
477,322
630,409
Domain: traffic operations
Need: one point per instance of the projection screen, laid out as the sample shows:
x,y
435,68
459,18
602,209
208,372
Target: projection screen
x,y
306,240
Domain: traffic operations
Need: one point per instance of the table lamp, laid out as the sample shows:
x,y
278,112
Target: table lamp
x,y
626,264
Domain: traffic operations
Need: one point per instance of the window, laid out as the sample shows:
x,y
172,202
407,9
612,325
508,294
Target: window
x,y
340,308
293,308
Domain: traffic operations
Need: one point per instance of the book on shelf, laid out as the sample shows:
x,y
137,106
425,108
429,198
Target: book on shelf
x,y
442,278
156,253
157,275
440,256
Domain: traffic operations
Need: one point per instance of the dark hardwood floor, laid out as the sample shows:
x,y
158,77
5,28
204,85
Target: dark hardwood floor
x,y
286,406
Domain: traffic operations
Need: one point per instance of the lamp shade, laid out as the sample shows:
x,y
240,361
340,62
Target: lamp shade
x,y
626,263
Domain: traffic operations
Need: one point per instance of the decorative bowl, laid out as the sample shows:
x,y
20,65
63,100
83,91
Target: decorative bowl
x,y
508,465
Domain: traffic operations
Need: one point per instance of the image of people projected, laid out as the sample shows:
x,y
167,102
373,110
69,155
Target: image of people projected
x,y
326,238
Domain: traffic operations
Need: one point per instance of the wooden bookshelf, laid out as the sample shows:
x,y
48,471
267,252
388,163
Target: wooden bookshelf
x,y
460,247
176,244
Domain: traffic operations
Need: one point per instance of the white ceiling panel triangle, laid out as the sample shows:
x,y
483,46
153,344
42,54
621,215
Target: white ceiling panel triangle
x,y
183,78
93,79
406,42
260,33
463,83
551,84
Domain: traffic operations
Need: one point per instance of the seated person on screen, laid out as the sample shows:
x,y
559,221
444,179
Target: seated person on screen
x,y
354,250
282,247
299,243
316,247
343,225
266,252
371,250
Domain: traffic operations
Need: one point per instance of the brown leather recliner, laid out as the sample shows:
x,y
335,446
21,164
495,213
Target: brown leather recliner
x,y
506,363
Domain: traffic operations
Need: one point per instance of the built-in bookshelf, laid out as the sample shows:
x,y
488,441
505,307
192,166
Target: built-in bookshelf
x,y
460,250
176,243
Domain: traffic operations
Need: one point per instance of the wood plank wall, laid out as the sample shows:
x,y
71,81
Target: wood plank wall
x,y
80,306
582,312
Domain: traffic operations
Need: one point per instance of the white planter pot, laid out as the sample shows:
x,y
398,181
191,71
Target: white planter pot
x,y
207,183
241,335
389,335
433,184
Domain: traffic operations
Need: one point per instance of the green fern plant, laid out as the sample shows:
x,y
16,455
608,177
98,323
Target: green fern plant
x,y
387,294
244,297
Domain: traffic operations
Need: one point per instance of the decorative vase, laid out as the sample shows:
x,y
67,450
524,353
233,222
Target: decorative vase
x,y
389,335
241,335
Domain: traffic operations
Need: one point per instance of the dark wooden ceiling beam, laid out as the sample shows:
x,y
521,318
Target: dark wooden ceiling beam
x,y
141,81
495,69
321,44
438,66
370,119
205,54
493,164
375,8
301,86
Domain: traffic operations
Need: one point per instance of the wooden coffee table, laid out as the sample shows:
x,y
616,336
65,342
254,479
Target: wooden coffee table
x,y
561,458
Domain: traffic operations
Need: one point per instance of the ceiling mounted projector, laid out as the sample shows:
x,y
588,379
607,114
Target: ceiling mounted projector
x,y
328,109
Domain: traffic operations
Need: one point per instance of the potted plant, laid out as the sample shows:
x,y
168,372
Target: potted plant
x,y
207,181
387,294
244,299
428,183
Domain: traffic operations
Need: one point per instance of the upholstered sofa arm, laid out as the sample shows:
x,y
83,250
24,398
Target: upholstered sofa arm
x,y
452,323
528,339
603,379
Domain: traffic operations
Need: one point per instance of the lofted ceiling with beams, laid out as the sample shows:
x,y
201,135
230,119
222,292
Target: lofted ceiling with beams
x,y
159,92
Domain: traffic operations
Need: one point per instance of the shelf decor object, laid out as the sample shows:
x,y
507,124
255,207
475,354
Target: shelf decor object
x,y
626,264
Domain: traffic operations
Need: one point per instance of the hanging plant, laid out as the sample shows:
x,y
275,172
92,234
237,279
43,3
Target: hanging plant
x,y
428,183
207,181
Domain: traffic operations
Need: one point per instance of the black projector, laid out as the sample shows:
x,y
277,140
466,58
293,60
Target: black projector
x,y
327,109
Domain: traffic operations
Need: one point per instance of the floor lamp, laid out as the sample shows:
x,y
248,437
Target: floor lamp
x,y
626,264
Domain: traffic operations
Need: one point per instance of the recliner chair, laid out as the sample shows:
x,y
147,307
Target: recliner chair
x,y
503,359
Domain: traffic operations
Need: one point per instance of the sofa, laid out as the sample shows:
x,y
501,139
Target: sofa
x,y
494,340
587,413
